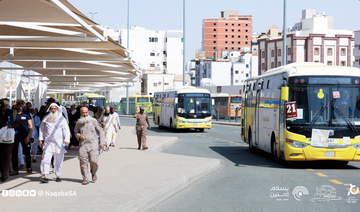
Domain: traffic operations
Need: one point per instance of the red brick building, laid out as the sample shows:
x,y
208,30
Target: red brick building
x,y
229,33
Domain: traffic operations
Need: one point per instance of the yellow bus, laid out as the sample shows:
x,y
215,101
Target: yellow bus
x,y
182,108
135,102
226,104
93,99
304,112
151,97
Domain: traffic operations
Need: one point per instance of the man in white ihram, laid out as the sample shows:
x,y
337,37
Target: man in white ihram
x,y
54,134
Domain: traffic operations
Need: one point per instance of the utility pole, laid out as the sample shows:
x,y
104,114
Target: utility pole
x,y
183,42
128,44
284,35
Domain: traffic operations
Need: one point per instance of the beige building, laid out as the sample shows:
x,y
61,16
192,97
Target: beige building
x,y
317,41
159,82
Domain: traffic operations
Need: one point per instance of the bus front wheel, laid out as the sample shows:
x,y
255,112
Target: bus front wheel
x,y
201,129
251,147
158,122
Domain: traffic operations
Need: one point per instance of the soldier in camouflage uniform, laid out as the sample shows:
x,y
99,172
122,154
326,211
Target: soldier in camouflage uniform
x,y
142,120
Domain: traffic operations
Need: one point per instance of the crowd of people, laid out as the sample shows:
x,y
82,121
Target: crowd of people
x,y
52,130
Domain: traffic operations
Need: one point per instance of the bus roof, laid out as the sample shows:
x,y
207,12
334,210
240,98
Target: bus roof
x,y
220,95
92,95
310,68
185,89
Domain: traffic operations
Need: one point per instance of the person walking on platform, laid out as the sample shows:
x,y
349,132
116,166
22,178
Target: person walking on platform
x,y
107,121
117,124
85,131
54,136
142,121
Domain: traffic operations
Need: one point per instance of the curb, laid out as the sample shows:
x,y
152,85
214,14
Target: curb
x,y
165,144
157,196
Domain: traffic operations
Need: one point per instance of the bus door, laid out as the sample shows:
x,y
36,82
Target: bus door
x,y
257,115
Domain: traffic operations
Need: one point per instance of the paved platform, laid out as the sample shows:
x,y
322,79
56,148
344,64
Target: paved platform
x,y
128,179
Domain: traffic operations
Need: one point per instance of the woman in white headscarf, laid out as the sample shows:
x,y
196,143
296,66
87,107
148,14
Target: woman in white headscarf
x,y
54,136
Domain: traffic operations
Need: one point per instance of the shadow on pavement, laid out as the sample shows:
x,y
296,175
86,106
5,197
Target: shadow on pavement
x,y
241,156
167,130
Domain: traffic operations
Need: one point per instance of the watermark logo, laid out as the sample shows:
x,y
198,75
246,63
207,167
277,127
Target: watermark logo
x,y
5,193
40,193
325,193
353,190
299,191
32,193
279,193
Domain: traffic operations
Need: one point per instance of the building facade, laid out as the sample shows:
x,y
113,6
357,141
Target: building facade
x,y
317,41
357,48
231,32
154,51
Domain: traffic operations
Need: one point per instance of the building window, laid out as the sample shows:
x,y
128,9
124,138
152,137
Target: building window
x,y
236,72
214,23
343,63
329,63
225,30
214,47
316,51
152,65
166,83
232,30
152,54
263,66
289,61
214,41
246,42
153,39
239,30
155,84
329,51
316,61
272,65
246,30
164,63
279,52
343,51
236,81
263,54
225,47
238,42
164,52
232,36
246,25
272,53
232,42
225,36
238,36
239,47
214,30
226,24
247,65
247,75
232,24
289,51
238,24
225,41
279,64
246,36
214,36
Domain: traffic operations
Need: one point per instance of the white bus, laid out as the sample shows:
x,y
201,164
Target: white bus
x,y
304,112
182,108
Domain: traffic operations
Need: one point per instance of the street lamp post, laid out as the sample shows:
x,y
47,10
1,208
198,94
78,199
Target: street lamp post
x,y
92,14
284,35
183,42
128,44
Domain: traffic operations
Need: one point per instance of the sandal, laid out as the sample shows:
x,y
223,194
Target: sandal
x,y
85,182
14,173
94,177
29,170
21,167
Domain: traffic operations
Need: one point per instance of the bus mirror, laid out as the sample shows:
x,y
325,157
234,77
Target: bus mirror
x,y
176,100
284,94
213,101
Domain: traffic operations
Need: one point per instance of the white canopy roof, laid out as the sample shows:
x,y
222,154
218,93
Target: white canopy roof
x,y
55,39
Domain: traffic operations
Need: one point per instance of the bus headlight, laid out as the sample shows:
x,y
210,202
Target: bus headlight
x,y
356,146
207,122
296,143
181,122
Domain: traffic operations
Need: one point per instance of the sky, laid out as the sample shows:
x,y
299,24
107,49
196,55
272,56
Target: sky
x,y
168,14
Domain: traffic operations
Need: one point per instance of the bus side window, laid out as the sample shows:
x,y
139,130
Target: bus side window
x,y
268,83
262,85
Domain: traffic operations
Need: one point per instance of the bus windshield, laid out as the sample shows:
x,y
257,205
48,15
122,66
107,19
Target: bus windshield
x,y
235,99
194,103
143,99
329,105
97,102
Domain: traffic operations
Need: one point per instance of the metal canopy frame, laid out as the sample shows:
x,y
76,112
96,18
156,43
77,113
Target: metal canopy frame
x,y
53,38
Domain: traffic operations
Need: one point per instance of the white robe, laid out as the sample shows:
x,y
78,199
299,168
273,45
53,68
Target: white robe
x,y
53,135
109,129
117,124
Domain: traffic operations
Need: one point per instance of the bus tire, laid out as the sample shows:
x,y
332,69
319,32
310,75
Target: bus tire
x,y
251,147
343,163
276,158
171,125
201,129
159,122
